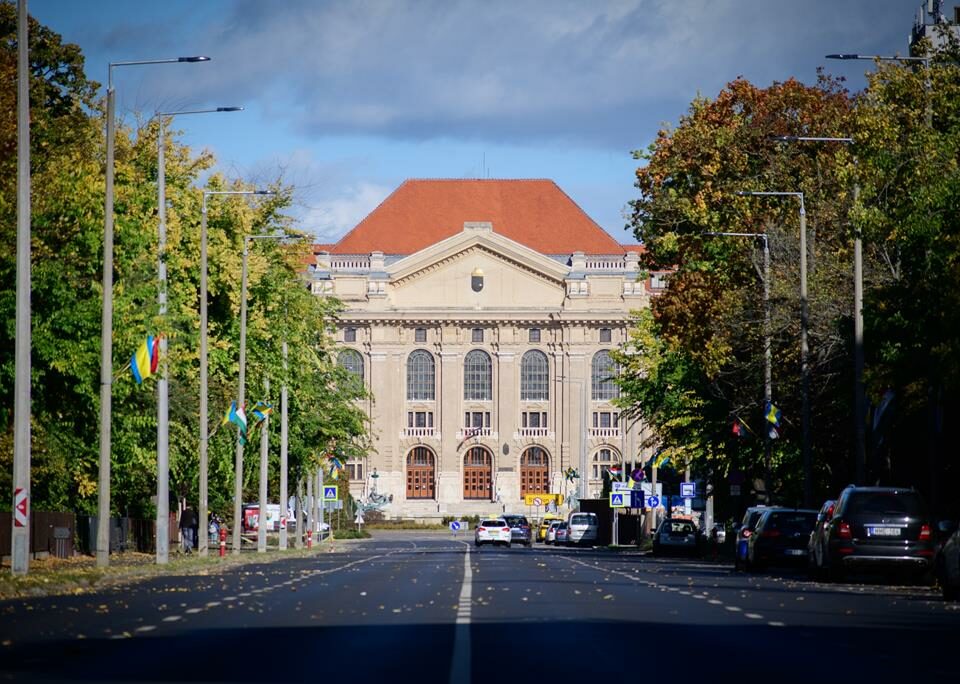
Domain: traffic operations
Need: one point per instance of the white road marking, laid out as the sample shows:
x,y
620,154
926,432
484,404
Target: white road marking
x,y
192,611
146,628
733,609
460,662
753,616
171,618
776,623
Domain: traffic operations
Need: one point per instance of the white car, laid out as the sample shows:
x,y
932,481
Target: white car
x,y
493,531
584,528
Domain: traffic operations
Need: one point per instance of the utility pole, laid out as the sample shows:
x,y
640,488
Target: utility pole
x,y
283,451
20,521
238,455
264,473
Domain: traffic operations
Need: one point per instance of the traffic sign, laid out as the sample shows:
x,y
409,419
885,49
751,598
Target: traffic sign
x,y
283,522
537,501
621,486
619,500
330,492
688,490
454,525
20,507
637,498
359,519
653,501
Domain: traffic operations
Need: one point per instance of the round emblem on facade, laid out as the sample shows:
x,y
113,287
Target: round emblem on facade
x,y
476,280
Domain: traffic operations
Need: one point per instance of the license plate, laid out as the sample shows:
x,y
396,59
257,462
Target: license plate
x,y
883,531
795,552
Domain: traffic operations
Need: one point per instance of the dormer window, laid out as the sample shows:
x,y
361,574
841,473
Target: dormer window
x,y
349,334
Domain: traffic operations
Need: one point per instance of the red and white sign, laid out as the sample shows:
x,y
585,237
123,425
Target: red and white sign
x,y
283,523
20,507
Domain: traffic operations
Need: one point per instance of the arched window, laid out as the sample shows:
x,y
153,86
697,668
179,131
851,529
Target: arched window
x,y
478,474
477,376
534,471
602,459
604,374
534,377
421,376
352,361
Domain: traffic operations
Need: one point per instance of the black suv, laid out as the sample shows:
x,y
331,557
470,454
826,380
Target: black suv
x,y
879,528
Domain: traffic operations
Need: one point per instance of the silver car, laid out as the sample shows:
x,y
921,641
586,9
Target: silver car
x,y
584,528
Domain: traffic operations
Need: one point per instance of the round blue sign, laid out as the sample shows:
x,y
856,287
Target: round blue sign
x,y
653,501
454,525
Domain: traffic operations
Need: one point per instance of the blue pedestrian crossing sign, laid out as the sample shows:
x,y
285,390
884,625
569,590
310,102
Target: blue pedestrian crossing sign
x,y
619,499
330,492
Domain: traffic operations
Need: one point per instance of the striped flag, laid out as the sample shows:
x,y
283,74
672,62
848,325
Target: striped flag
x,y
145,361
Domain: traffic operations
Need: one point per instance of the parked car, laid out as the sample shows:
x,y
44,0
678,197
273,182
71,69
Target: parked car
x,y
520,532
584,528
551,536
948,562
743,531
780,537
886,529
545,525
817,544
678,536
561,535
492,531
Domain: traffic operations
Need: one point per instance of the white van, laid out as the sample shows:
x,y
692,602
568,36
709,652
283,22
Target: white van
x,y
583,528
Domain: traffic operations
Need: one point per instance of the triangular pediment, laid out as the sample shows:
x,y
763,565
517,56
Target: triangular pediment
x,y
470,242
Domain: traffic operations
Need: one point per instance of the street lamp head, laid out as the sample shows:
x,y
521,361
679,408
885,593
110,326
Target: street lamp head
x,y
843,55
810,138
229,109
197,58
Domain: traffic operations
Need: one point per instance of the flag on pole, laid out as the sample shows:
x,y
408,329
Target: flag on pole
x,y
237,417
145,361
738,429
772,414
615,470
571,474
260,412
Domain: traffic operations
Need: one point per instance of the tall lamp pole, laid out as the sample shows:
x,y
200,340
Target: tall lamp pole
x,y
204,417
20,521
767,349
163,393
238,481
804,346
106,321
859,393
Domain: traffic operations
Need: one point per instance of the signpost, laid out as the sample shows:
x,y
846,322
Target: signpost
x,y
454,527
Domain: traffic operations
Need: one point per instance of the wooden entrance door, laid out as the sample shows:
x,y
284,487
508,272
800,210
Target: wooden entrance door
x,y
534,471
478,474
420,474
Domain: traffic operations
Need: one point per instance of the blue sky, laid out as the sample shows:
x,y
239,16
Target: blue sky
x,y
347,99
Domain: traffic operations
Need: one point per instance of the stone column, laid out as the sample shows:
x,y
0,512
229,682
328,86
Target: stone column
x,y
450,398
507,411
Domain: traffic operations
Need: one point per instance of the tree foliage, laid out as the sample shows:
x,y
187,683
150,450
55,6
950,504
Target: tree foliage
x,y
67,147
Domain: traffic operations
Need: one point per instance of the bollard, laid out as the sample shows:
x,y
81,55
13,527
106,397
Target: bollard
x,y
309,539
223,540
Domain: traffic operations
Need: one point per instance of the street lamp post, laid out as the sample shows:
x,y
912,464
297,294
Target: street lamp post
x,y
163,440
20,528
804,347
238,482
204,417
859,393
847,56
767,349
106,321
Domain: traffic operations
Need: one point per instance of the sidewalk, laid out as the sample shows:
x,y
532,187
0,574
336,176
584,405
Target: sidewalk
x,y
79,574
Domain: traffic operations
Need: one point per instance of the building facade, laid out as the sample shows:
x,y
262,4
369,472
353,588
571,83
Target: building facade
x,y
481,315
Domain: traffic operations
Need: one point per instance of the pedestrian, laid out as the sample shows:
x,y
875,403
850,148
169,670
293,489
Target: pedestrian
x,y
188,524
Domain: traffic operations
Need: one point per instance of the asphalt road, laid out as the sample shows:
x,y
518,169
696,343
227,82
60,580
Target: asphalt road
x,y
428,608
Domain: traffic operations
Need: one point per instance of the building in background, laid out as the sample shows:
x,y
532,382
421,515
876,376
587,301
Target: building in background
x,y
481,315
935,23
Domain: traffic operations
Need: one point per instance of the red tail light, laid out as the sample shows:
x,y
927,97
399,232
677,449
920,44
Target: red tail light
x,y
747,533
924,533
481,529
506,529
770,533
524,527
844,531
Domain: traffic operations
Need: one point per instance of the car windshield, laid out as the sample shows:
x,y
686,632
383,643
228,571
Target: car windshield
x,y
680,528
791,522
581,520
492,523
752,519
886,503
516,521
562,526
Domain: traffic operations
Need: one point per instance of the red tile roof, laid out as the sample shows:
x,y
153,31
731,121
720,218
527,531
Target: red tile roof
x,y
534,212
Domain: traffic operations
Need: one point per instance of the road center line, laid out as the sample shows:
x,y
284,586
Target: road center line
x,y
460,662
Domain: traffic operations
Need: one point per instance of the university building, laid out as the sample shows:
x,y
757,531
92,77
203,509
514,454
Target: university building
x,y
481,315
